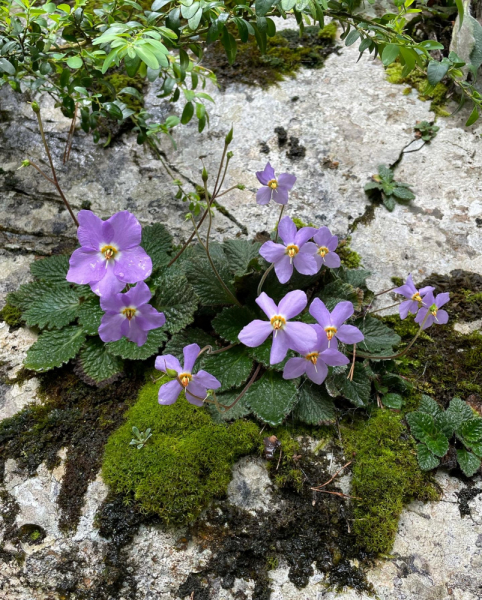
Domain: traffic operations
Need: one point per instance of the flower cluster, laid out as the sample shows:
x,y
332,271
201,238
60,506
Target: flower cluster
x,y
423,304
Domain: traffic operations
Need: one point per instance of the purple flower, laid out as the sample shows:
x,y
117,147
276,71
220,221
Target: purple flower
x,y
294,335
431,305
277,189
129,315
195,385
110,255
333,323
414,296
314,363
295,251
325,250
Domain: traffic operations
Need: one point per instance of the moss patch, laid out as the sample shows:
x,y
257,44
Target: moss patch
x,y
286,52
350,258
184,465
11,315
386,476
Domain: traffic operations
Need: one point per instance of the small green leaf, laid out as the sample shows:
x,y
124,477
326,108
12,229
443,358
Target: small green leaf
x,y
314,405
176,299
389,54
241,255
444,423
469,463
272,398
392,401
437,443
263,6
53,310
459,411
75,62
53,269
90,315
97,363
232,367
6,66
157,242
379,339
471,430
429,406
421,425
205,283
336,292
239,410
358,389
23,297
191,335
389,202
128,349
474,115
436,71
230,46
229,322
194,21
426,460
187,113
352,37
403,193
54,348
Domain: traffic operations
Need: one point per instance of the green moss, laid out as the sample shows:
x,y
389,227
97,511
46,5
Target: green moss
x,y
328,32
184,465
350,258
120,81
436,94
386,476
35,535
11,315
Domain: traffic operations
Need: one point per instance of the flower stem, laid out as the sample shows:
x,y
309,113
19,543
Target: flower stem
x,y
210,351
386,291
279,219
384,308
263,279
248,385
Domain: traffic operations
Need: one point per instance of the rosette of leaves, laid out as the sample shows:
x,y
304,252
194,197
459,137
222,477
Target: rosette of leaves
x,y
425,131
437,430
390,190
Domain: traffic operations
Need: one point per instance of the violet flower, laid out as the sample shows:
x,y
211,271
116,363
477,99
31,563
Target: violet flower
x,y
315,362
129,315
326,244
333,323
286,335
294,251
414,296
110,255
194,385
276,189
431,305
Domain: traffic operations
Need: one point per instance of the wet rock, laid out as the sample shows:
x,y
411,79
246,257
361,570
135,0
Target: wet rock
x,y
250,487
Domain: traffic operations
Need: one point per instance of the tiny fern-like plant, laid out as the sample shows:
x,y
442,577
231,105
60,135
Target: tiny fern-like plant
x,y
437,429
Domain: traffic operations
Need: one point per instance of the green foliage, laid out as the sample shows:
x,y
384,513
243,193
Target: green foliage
x,y
176,299
11,315
434,428
54,309
186,463
314,405
97,363
157,242
54,269
127,349
356,389
230,321
390,190
232,368
379,339
425,130
54,348
272,398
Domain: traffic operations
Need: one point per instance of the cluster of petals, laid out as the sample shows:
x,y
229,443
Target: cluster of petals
x,y
333,323
129,315
431,311
274,188
414,297
195,385
298,252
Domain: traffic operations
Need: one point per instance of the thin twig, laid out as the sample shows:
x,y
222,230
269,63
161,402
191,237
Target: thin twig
x,y
70,138
352,368
249,384
317,489
279,460
263,279
337,494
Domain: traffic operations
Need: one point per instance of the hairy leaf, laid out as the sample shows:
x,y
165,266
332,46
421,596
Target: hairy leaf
x,y
23,297
191,335
336,292
241,255
429,406
426,460
90,315
272,398
54,309
239,410
379,339
403,193
314,405
157,242
459,411
53,269
176,299
54,348
97,363
392,401
421,425
469,463
232,367
471,430
229,322
205,283
437,443
262,354
356,390
127,349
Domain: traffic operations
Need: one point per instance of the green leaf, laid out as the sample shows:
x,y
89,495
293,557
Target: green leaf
x,y
352,37
232,367
54,309
75,62
385,172
389,202
239,410
336,292
53,269
469,463
436,71
459,411
355,277
372,185
6,66
403,193
22,298
389,54
272,398
471,430
263,6
176,299
474,115
379,339
262,353
229,43
426,460
287,5
128,349
194,21
357,390
97,363
444,423
187,113
392,401
157,242
229,322
189,11
205,283
54,348
241,255
191,335
437,443
147,57
476,448
90,315
429,406
421,425
314,406
460,9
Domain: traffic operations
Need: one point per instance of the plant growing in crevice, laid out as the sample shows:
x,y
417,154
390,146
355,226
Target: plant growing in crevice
x,y
425,131
388,189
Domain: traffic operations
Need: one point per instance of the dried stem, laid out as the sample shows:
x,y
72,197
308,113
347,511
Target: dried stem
x,y
68,146
318,488
352,368
248,385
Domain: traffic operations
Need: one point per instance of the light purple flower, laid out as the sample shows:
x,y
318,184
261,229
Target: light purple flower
x,y
431,305
286,335
414,296
129,315
276,189
110,255
314,363
294,251
326,244
195,385
333,323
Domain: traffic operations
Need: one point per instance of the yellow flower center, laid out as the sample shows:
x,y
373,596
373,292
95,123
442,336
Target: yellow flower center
x,y
292,250
417,297
312,357
330,332
184,379
109,252
322,251
129,312
273,184
434,310
277,322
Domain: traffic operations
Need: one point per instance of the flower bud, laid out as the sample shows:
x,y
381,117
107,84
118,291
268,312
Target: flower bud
x,y
171,372
25,163
230,155
204,175
240,186
229,138
35,107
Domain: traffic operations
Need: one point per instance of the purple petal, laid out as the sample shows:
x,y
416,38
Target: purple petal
x,y
442,299
263,195
317,373
309,248
334,358
341,312
279,348
421,316
113,303
266,175
125,327
107,233
303,235
86,266
405,307
110,329
109,284
284,269
322,339
280,195
169,392
195,389
272,252
255,333
428,299
90,230
168,361
207,380
292,304
301,337
332,260
287,231
408,289
149,318
286,181
267,305
133,265
348,334
323,236
332,244
138,295
442,317
136,332
127,230
319,311
295,367
425,290
190,355
305,264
